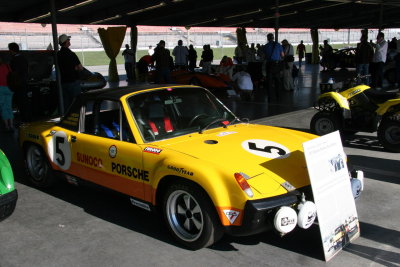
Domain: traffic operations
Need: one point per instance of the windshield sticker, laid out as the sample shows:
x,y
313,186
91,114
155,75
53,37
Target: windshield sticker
x,y
225,133
266,149
152,150
112,151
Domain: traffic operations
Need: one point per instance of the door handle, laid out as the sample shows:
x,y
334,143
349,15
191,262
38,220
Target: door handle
x,y
73,138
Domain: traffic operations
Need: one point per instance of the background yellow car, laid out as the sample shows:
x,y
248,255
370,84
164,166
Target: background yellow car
x,y
180,151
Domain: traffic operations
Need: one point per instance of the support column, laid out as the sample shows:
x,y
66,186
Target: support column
x,y
55,45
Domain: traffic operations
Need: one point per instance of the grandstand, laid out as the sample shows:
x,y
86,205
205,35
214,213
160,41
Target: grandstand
x,y
34,36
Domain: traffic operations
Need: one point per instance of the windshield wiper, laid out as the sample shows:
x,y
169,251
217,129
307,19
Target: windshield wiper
x,y
211,123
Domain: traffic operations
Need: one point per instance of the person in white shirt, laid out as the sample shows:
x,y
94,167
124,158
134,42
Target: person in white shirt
x,y
379,60
151,50
180,53
288,51
243,82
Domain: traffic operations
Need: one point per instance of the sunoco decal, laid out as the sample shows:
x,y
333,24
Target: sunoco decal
x,y
180,170
231,215
152,150
266,149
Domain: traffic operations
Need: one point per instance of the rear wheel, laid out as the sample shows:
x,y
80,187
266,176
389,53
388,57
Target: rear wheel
x,y
189,216
324,122
389,134
39,170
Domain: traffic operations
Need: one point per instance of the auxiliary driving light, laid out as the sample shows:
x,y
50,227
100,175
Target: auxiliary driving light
x,y
307,214
285,220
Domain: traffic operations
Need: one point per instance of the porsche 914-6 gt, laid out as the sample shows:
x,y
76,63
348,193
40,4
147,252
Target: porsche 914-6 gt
x,y
178,150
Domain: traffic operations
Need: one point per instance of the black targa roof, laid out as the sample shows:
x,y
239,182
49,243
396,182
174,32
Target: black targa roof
x,y
334,14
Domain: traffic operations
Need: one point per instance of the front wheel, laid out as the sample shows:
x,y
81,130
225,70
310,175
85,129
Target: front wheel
x,y
324,122
190,217
389,135
39,170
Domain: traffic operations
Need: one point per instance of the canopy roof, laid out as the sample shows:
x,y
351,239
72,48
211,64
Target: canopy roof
x,y
334,14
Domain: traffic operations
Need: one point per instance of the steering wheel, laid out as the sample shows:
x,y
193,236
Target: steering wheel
x,y
197,117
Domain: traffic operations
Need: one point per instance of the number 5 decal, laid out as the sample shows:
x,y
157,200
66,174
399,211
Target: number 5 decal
x,y
60,150
266,149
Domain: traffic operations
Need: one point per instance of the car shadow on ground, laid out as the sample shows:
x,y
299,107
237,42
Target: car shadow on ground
x,y
304,242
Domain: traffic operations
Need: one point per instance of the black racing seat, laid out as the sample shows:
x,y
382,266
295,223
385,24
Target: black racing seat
x,y
381,97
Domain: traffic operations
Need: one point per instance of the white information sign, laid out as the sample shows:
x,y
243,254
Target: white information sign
x,y
330,182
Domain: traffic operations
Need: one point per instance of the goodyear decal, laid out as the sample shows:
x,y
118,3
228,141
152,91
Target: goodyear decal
x,y
152,150
180,170
130,171
89,160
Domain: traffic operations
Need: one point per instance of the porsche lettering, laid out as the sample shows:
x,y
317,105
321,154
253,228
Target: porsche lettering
x,y
89,160
130,171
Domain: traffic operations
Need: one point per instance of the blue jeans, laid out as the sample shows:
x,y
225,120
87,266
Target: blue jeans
x,y
6,103
70,90
363,69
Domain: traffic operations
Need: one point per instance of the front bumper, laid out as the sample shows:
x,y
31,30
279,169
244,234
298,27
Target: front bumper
x,y
259,214
7,204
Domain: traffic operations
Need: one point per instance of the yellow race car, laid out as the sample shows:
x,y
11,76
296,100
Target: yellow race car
x,y
178,150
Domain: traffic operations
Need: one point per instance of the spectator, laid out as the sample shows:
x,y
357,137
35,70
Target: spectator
x,y
364,54
260,52
207,57
129,58
301,51
243,82
238,54
151,50
288,52
192,57
273,52
162,59
6,97
251,53
226,66
180,53
379,60
70,66
143,66
19,67
326,53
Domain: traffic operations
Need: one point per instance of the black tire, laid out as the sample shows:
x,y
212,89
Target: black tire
x,y
389,134
324,122
39,170
190,216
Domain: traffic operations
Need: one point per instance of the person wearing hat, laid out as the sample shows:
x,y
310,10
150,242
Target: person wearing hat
x,y
70,66
162,59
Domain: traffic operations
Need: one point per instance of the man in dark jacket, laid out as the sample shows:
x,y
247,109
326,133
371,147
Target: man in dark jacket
x,y
364,54
19,67
162,59
70,66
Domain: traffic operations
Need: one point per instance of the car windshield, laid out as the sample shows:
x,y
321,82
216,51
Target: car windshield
x,y
172,112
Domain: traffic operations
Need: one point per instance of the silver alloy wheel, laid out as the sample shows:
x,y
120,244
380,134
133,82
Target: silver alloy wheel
x,y
184,215
392,134
36,163
324,126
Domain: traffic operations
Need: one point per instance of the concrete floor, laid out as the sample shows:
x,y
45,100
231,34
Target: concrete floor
x,y
80,226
